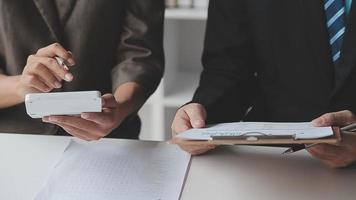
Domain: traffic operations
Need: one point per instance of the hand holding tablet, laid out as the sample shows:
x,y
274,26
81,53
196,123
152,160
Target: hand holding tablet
x,y
86,115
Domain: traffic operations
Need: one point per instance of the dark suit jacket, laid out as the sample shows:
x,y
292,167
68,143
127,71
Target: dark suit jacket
x,y
113,42
274,55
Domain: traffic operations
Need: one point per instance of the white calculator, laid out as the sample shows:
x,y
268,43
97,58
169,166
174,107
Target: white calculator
x,y
39,105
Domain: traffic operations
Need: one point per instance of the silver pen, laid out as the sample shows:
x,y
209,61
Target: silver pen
x,y
61,62
349,129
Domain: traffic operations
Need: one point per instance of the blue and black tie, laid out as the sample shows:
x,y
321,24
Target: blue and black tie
x,y
335,17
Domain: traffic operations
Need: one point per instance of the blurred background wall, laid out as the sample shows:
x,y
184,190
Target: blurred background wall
x,y
183,41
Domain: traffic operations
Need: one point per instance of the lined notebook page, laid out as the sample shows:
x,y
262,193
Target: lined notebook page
x,y
130,170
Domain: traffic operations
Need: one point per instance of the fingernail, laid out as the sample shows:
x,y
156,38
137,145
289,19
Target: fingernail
x,y
68,77
317,122
52,119
71,61
85,115
45,119
314,123
47,89
198,123
57,85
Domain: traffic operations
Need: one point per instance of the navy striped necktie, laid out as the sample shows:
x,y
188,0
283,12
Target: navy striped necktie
x,y
335,17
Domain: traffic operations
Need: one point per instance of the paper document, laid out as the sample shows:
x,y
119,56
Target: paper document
x,y
128,170
303,130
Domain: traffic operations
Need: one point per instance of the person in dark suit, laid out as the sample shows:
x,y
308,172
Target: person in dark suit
x,y
114,46
273,60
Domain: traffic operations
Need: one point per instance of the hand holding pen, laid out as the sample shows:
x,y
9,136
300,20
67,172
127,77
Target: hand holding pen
x,y
45,71
340,155
349,129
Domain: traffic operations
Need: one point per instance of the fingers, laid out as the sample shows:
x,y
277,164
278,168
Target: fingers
x,y
34,61
45,75
109,101
323,151
43,72
343,154
349,140
56,50
105,119
56,68
341,118
75,132
334,156
189,116
180,123
91,126
35,82
197,149
196,114
78,123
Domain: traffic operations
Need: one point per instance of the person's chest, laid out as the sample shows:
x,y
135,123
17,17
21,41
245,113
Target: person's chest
x,y
86,27
292,45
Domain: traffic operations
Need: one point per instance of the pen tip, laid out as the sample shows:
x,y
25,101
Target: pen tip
x,y
288,151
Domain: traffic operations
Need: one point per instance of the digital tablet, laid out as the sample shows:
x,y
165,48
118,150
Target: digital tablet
x,y
39,105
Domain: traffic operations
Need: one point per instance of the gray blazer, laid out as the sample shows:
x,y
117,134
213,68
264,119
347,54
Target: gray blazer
x,y
113,42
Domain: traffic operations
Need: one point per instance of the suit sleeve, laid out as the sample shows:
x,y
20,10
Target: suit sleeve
x,y
140,52
226,82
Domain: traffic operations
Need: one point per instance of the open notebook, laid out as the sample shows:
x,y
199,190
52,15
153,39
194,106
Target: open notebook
x,y
265,130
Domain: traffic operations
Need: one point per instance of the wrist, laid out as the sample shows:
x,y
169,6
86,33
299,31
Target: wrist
x,y
129,97
13,86
9,91
19,93
125,109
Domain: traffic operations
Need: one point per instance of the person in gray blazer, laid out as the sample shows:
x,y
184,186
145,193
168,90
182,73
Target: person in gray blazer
x,y
114,46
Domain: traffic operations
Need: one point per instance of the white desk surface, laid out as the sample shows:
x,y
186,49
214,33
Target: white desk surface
x,y
226,173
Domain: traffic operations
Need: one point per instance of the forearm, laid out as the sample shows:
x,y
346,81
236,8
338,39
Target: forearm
x,y
130,97
140,51
8,91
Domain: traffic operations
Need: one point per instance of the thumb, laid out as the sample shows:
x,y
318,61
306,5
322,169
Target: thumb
x,y
108,101
340,118
197,114
319,121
